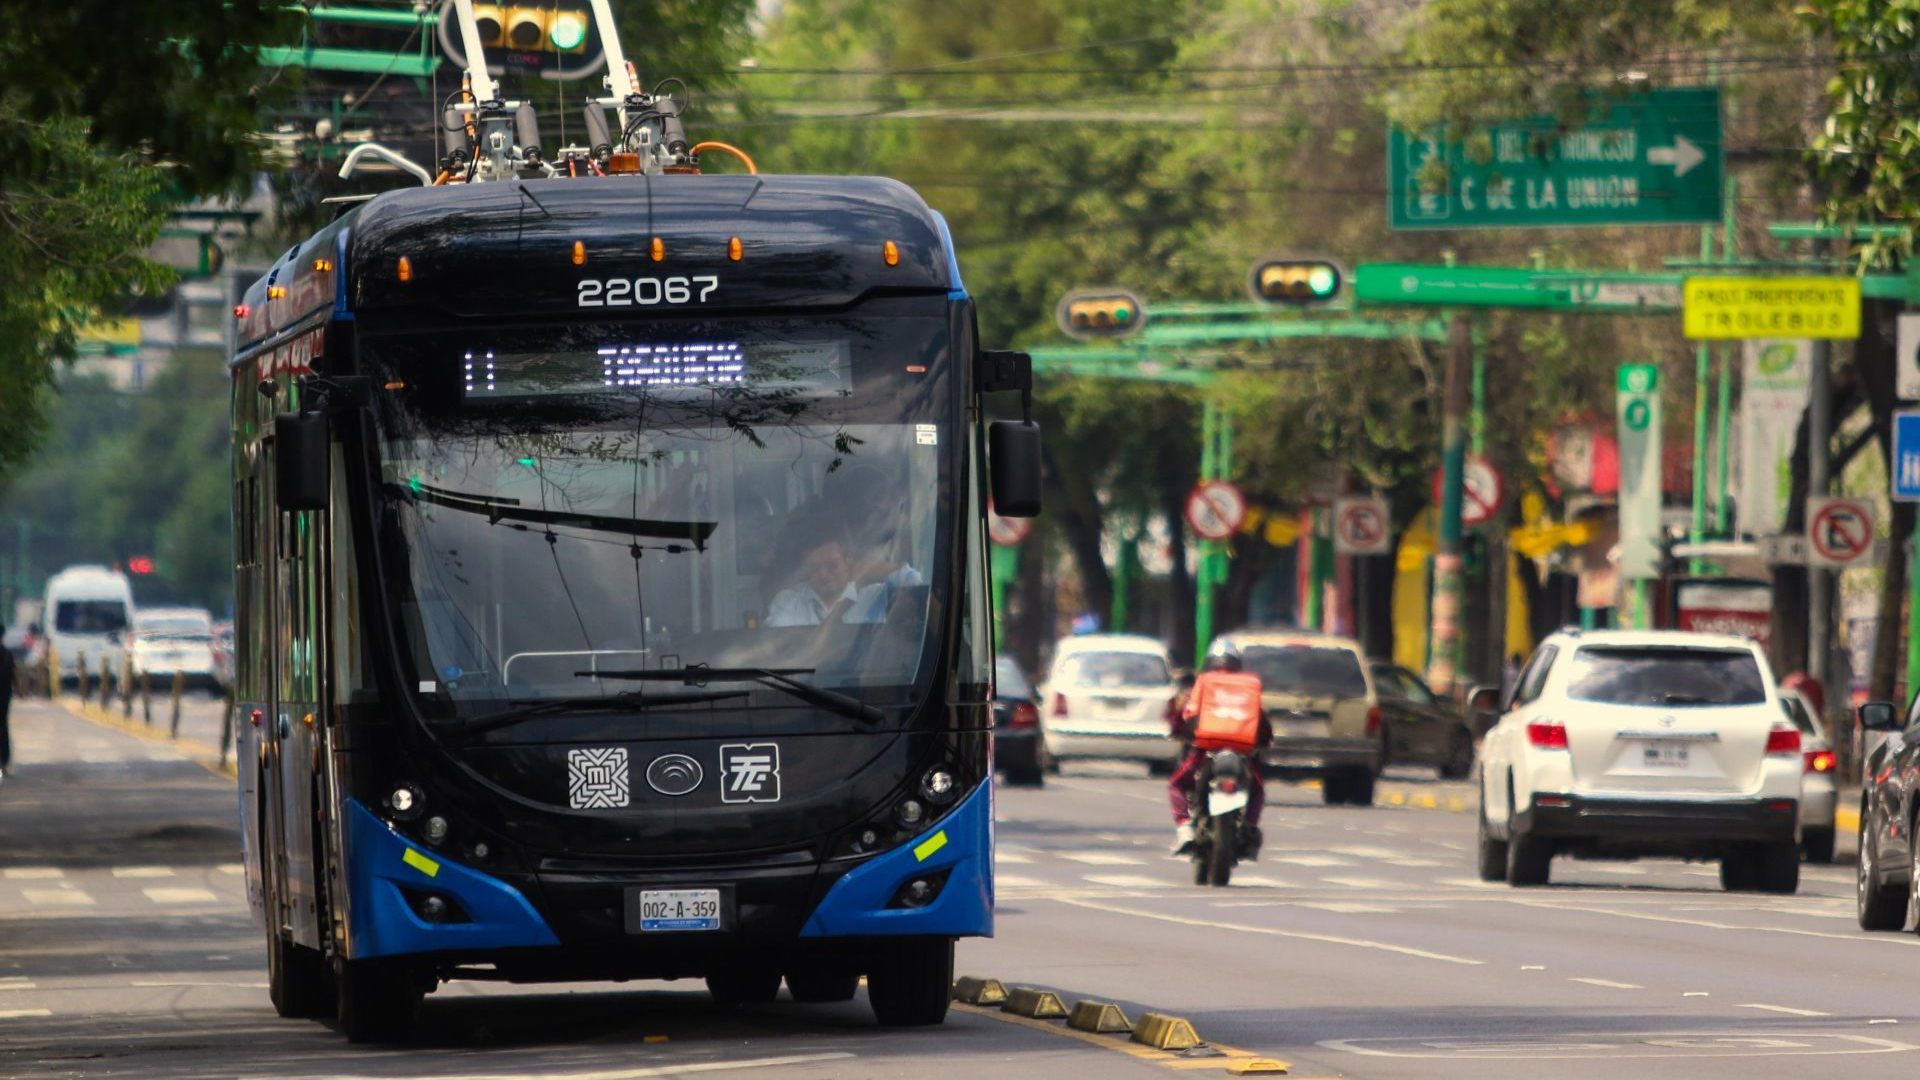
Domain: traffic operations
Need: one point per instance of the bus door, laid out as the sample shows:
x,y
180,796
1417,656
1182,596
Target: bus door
x,y
296,710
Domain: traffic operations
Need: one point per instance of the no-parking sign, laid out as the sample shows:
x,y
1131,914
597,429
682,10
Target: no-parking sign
x,y
1215,509
1360,526
1839,531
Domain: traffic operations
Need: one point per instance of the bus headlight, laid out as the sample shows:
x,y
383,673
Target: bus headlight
x,y
406,801
939,786
910,813
436,830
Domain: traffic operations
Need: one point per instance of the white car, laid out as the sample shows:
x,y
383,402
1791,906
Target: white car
x,y
1108,696
170,641
1628,743
1819,795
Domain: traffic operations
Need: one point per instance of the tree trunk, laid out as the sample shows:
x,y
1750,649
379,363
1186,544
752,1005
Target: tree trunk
x,y
1076,509
1787,638
1874,360
1178,631
1029,614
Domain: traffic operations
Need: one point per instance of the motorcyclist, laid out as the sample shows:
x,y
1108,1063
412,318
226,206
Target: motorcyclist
x,y
1222,713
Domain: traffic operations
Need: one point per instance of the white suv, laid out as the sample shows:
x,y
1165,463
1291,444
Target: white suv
x,y
1623,743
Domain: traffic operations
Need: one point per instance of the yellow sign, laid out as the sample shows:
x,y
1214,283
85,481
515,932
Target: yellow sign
x,y
1730,308
112,331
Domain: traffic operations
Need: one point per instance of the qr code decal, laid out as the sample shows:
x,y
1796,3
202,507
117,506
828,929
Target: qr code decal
x,y
597,779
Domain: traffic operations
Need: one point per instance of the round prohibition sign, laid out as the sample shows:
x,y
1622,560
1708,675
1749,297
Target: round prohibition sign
x,y
1215,509
1361,527
1482,489
1006,531
1840,532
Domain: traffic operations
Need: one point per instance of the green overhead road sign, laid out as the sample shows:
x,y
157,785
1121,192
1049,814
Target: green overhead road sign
x,y
1597,291
1648,158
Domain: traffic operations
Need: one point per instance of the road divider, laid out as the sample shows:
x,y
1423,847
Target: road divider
x,y
1034,1004
1158,1038
1164,1032
1098,1016
208,757
971,991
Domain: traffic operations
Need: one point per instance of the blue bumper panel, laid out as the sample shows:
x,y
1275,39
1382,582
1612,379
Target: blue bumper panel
x,y
961,843
381,923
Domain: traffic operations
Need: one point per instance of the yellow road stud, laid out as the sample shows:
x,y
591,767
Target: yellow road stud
x,y
1035,1004
1257,1067
1098,1016
971,991
1165,1032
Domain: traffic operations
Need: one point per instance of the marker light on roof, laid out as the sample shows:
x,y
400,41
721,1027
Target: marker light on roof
x,y
733,249
657,249
579,253
405,269
890,251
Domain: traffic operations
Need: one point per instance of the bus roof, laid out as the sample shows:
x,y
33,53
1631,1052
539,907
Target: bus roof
x,y
508,248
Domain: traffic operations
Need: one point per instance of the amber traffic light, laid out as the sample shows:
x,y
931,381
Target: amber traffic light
x,y
1100,313
1296,281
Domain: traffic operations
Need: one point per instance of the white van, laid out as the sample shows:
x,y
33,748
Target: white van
x,y
89,615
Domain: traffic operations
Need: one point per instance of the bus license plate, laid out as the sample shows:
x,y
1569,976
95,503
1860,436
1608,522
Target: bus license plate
x,y
663,910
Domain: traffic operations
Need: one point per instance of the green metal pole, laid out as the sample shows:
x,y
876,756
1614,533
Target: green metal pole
x,y
1477,418
1124,570
1702,374
1203,581
1723,407
1448,585
1003,563
1316,583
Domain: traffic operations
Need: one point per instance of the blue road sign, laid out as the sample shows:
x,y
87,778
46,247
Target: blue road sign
x,y
1906,456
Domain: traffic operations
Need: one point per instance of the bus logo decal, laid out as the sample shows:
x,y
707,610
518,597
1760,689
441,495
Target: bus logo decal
x,y
750,772
674,774
597,778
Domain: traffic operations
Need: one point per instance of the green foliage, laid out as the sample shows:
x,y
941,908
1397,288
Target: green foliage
x,y
1869,151
136,473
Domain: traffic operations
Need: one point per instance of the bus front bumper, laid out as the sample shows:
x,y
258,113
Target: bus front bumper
x,y
938,884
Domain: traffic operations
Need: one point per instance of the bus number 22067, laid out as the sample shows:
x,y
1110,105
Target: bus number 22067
x,y
646,291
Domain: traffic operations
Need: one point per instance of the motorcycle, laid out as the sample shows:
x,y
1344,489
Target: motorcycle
x,y
1217,844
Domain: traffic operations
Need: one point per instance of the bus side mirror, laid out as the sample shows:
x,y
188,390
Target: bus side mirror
x,y
1879,716
1013,465
300,461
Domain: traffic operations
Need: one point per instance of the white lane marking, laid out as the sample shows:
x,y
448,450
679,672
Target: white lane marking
x,y
1417,864
1348,909
180,896
1269,931
1609,868
1533,967
1101,858
142,871
1010,859
1362,852
1608,983
1311,860
1695,993
16,984
231,868
57,897
1255,881
1015,881
1788,1009
33,873
190,982
1361,882
1128,881
1877,940
22,1014
651,1071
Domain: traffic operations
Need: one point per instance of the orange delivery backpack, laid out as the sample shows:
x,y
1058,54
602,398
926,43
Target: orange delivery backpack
x,y
1227,716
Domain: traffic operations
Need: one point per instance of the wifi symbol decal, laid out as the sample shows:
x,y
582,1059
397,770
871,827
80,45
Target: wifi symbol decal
x,y
674,774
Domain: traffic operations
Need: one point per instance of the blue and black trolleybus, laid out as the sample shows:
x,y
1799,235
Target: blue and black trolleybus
x,y
613,595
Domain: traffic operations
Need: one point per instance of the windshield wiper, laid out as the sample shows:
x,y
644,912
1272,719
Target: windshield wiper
x,y
774,678
632,699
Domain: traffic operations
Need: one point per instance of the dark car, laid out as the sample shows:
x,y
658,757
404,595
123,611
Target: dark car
x,y
1422,728
1889,787
1019,749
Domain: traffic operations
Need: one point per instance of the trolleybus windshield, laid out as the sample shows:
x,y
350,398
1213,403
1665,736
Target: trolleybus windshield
x,y
620,497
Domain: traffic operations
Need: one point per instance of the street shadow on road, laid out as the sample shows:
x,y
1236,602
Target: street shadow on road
x,y
77,815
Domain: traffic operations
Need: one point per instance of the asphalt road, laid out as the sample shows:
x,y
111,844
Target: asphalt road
x,y
1359,945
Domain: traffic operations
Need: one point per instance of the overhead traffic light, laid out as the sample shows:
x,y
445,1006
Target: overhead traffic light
x,y
1296,281
555,38
1100,313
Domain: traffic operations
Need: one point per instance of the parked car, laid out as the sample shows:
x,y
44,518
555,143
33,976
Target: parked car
x,y
1327,718
1108,696
223,654
1418,726
1819,793
1890,785
1019,749
1631,743
175,641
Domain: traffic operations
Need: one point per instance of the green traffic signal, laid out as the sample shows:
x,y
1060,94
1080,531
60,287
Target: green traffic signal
x,y
1100,313
1296,281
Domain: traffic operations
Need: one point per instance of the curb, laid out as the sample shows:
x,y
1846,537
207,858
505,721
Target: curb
x,y
207,757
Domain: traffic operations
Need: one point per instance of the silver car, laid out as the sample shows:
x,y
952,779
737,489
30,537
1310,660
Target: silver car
x,y
1819,794
1108,696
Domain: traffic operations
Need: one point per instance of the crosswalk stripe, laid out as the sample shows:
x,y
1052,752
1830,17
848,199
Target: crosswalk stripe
x,y
180,896
231,868
1101,858
1359,882
1310,860
1015,881
1255,881
33,873
1011,859
142,871
22,1014
1127,881
1368,852
57,897
1347,909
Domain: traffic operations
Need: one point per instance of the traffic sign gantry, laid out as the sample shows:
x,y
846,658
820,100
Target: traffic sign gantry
x,y
1215,509
1599,292
1482,489
1360,526
1649,158
1730,308
1839,530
